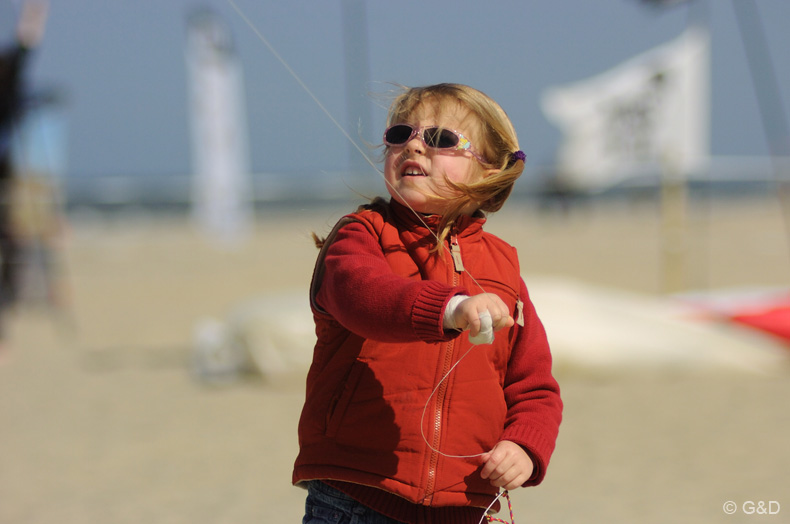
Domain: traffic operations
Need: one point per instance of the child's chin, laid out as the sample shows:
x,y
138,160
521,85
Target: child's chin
x,y
414,200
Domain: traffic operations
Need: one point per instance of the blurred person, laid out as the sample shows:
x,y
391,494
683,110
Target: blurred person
x,y
29,32
405,420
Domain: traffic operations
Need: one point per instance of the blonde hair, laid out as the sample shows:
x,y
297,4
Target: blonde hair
x,y
495,141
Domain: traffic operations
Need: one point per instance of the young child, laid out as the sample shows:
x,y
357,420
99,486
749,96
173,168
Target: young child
x,y
405,419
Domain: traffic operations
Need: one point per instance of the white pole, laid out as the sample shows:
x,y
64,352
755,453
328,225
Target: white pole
x,y
221,204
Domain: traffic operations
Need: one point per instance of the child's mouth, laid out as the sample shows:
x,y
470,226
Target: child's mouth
x,y
413,171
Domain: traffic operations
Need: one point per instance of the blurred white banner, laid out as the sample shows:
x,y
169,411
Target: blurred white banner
x,y
647,116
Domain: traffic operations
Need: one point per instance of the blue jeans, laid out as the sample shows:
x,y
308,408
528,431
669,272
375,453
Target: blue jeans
x,y
326,505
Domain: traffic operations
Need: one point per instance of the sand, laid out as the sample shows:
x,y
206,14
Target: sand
x,y
102,422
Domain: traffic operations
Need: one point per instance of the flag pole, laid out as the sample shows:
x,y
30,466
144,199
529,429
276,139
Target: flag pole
x,y
674,196
674,226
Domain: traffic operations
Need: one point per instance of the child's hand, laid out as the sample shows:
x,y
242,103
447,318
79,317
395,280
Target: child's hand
x,y
507,466
467,314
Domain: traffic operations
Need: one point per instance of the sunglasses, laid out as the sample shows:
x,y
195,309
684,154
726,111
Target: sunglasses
x,y
434,137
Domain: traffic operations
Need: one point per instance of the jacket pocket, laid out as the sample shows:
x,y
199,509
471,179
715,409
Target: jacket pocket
x,y
342,399
500,288
506,293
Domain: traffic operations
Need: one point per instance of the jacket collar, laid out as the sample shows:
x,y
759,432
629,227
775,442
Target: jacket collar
x,y
465,225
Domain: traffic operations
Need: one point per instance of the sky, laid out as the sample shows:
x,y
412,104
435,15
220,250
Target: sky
x,y
121,67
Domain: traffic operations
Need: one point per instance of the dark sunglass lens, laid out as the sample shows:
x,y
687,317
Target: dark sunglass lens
x,y
440,138
398,134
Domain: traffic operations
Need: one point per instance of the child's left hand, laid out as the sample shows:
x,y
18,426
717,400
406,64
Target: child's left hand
x,y
507,465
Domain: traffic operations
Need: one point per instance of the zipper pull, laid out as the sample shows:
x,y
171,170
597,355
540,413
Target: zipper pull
x,y
455,251
520,313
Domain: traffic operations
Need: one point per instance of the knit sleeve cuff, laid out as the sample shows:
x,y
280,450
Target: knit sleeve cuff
x,y
428,312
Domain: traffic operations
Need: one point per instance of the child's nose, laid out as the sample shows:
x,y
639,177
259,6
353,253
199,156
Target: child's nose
x,y
416,145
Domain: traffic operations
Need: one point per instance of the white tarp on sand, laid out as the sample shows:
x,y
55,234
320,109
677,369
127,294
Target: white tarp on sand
x,y
588,327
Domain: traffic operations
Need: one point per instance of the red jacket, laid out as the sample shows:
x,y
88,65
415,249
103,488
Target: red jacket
x,y
372,400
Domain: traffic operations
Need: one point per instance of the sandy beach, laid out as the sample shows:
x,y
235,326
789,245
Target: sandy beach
x,y
101,420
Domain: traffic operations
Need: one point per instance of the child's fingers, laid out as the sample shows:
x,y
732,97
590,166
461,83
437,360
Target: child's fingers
x,y
506,466
509,480
498,470
474,324
495,462
500,318
472,309
503,322
488,465
500,314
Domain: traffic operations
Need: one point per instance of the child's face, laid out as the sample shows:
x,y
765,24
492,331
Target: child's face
x,y
415,173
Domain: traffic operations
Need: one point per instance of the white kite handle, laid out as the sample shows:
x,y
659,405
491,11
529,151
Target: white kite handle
x,y
486,334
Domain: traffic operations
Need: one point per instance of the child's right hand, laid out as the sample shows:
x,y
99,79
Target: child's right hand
x,y
467,313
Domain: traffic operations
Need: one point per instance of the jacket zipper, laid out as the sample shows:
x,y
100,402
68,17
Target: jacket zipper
x,y
437,424
458,266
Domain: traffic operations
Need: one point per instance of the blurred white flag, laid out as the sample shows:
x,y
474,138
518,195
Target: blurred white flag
x,y
646,116
221,190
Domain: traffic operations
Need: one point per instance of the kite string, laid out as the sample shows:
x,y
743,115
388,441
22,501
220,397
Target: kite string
x,y
299,81
487,516
425,410
337,124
